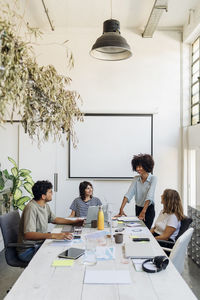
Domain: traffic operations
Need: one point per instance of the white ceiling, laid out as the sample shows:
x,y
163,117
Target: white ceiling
x,y
92,13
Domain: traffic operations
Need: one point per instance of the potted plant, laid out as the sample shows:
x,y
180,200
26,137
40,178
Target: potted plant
x,y
15,188
37,94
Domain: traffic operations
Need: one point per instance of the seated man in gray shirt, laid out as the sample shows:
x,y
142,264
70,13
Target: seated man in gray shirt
x,y
35,218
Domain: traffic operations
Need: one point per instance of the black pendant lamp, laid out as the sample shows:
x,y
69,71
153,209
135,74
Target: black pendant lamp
x,y
111,45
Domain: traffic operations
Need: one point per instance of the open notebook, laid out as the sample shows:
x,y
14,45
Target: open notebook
x,y
139,250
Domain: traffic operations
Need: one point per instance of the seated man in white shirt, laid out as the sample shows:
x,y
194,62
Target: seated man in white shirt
x,y
168,222
35,218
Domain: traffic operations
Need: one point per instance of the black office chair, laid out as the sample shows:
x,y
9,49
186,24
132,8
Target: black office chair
x,y
185,223
9,224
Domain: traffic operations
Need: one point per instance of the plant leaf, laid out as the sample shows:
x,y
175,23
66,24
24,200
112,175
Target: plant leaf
x,y
21,207
17,194
29,179
28,187
19,183
12,161
6,174
22,200
2,184
24,171
14,171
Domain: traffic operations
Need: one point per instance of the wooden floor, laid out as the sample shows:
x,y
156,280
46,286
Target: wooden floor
x,y
8,276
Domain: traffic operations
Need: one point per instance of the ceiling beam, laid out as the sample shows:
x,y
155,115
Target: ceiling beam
x,y
154,18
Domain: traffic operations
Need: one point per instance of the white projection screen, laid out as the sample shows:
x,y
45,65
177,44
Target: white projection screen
x,y
107,143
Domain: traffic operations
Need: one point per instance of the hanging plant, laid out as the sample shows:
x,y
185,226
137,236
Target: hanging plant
x,y
39,95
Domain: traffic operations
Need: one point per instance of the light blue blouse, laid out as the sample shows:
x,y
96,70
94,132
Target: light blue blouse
x,y
142,191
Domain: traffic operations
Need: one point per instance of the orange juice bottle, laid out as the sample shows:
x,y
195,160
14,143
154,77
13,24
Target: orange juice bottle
x,y
100,221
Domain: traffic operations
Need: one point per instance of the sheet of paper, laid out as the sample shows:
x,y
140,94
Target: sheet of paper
x,y
138,264
133,225
97,234
63,263
107,277
128,219
105,253
75,218
61,243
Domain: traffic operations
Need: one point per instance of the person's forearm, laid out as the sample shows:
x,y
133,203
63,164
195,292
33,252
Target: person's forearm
x,y
162,237
146,204
125,200
72,215
152,230
37,236
58,220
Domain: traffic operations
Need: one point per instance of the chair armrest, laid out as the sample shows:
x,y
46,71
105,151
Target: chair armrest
x,y
21,245
166,244
167,249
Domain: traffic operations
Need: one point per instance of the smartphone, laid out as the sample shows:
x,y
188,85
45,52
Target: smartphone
x,y
140,239
119,230
72,253
76,237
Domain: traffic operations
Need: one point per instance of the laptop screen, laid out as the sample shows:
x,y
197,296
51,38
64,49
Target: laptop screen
x,y
93,213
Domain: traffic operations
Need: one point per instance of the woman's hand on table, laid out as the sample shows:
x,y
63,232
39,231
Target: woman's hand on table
x,y
121,213
142,216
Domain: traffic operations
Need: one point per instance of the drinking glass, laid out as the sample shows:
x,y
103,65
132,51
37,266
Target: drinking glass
x,y
89,257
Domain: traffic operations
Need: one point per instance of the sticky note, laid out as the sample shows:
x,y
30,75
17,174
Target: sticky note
x,y
62,263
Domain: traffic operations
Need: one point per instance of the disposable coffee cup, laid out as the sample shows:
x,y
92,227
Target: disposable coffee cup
x,y
94,224
118,238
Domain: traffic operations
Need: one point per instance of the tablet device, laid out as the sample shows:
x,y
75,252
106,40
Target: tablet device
x,y
72,253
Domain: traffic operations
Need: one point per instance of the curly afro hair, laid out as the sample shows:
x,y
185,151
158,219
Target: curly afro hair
x,y
144,160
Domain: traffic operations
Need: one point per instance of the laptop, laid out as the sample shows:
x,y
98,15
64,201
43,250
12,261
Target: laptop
x,y
93,213
139,250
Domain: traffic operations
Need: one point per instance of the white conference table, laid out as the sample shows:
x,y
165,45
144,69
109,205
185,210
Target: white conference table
x,y
42,281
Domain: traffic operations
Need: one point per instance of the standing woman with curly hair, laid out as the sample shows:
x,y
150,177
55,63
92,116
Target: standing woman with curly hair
x,y
168,222
143,188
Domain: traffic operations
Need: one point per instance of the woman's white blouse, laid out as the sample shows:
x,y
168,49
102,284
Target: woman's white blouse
x,y
165,220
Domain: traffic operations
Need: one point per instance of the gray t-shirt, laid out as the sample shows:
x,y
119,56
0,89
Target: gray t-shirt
x,y
81,207
35,218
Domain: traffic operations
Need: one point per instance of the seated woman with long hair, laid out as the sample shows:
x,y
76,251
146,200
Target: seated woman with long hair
x,y
168,222
80,205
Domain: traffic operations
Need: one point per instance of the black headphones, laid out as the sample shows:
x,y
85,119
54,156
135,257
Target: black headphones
x,y
160,262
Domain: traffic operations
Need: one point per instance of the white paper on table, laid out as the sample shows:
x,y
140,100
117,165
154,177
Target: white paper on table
x,y
107,277
128,219
133,225
75,218
96,234
105,253
61,243
138,264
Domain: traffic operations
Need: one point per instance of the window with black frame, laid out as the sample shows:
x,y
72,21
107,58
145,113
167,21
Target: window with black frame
x,y
195,83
